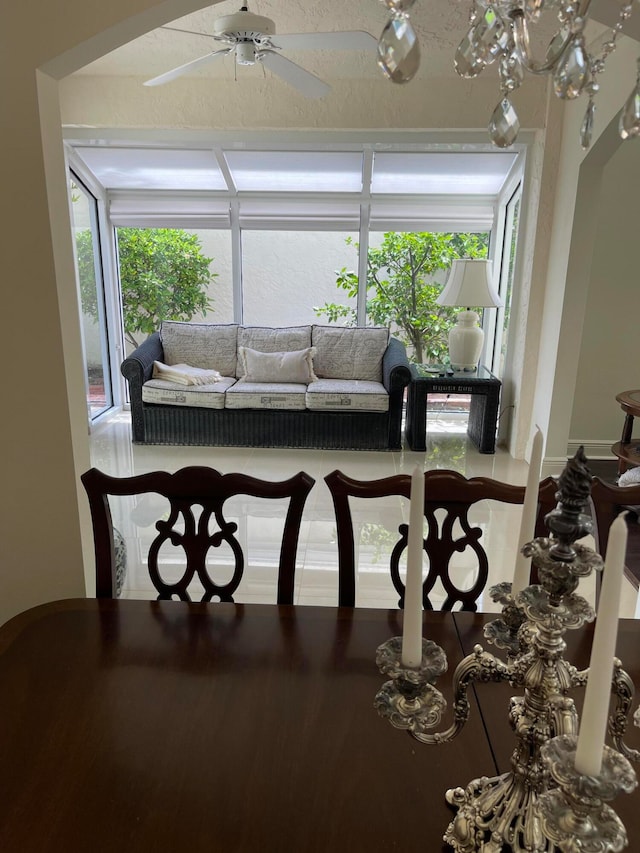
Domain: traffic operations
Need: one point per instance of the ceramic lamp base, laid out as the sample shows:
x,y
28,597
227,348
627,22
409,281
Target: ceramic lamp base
x,y
465,341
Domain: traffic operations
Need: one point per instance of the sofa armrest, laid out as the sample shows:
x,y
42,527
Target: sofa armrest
x,y
137,369
396,374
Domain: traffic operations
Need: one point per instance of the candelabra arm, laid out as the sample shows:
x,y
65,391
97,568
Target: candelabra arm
x,y
623,689
478,666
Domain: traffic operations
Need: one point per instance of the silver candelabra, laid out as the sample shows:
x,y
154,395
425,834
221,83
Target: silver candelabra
x,y
542,805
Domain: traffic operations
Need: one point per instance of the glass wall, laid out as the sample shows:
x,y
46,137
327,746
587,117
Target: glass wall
x,y
173,273
406,273
84,215
505,282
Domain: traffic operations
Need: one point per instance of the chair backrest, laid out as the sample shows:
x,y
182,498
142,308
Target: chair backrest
x,y
608,501
444,490
195,533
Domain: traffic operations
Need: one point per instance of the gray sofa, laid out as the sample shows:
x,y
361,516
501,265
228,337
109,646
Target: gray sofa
x,y
344,387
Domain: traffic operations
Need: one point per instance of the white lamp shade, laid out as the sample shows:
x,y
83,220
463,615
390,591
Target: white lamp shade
x,y
470,284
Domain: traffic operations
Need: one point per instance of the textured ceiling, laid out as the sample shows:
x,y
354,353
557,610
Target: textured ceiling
x,y
439,24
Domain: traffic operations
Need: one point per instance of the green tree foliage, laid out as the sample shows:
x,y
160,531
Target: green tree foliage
x,y
402,287
163,276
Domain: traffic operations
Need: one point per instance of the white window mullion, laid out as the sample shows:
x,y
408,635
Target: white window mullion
x,y
365,210
236,261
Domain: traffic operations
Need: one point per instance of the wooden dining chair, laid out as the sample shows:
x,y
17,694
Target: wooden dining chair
x,y
608,501
194,531
445,491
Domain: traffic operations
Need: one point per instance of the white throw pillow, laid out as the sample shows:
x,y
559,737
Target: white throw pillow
x,y
269,339
295,366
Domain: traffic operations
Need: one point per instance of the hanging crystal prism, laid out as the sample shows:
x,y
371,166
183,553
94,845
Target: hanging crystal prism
x,y
629,124
586,129
572,72
399,50
504,124
467,63
489,37
556,45
400,6
511,72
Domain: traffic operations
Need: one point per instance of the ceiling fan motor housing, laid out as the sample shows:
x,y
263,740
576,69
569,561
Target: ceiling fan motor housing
x,y
244,26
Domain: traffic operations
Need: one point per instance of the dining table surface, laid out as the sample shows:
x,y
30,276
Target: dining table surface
x,y
168,726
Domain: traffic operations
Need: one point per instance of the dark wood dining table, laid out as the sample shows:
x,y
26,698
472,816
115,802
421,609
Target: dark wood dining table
x,y
164,726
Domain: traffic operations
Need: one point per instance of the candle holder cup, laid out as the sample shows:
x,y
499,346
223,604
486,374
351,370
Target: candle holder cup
x,y
410,701
575,816
530,807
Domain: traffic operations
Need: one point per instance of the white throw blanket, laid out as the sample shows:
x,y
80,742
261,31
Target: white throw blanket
x,y
184,374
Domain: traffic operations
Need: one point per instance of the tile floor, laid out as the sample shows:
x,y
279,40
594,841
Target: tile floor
x,y
260,521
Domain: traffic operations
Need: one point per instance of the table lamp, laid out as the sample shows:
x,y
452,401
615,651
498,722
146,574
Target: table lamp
x,y
469,283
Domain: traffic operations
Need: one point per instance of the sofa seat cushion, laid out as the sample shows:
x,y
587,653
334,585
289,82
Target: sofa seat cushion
x,y
338,395
266,339
349,353
211,346
200,396
266,395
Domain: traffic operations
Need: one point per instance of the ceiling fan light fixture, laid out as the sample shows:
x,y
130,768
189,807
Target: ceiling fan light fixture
x,y
246,53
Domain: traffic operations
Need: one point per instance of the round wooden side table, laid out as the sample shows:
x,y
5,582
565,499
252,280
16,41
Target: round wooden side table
x,y
628,451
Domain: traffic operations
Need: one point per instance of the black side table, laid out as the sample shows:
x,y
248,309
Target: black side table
x,y
484,388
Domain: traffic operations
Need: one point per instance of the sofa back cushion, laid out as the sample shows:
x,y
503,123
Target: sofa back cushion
x,y
349,353
211,346
267,339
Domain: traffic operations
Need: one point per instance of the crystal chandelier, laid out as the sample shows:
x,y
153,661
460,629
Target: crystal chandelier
x,y
499,32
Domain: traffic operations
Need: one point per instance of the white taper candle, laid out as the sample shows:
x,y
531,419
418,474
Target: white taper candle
x,y
529,511
595,713
412,619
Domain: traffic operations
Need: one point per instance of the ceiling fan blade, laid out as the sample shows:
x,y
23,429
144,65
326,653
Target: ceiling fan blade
x,y
347,40
296,76
192,32
188,66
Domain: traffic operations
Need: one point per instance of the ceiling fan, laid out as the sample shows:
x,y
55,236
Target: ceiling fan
x,y
252,38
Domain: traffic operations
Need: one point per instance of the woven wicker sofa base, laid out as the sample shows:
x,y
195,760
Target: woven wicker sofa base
x,y
258,428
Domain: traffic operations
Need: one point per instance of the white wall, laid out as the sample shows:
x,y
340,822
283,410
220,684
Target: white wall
x,y
609,360
43,432
572,240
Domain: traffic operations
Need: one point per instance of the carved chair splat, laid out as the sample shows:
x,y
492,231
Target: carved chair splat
x,y
187,488
447,491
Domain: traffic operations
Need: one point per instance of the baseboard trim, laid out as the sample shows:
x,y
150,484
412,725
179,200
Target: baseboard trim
x,y
553,466
594,449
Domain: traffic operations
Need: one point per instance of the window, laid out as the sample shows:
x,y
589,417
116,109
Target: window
x,y
505,281
173,273
84,213
406,271
290,230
